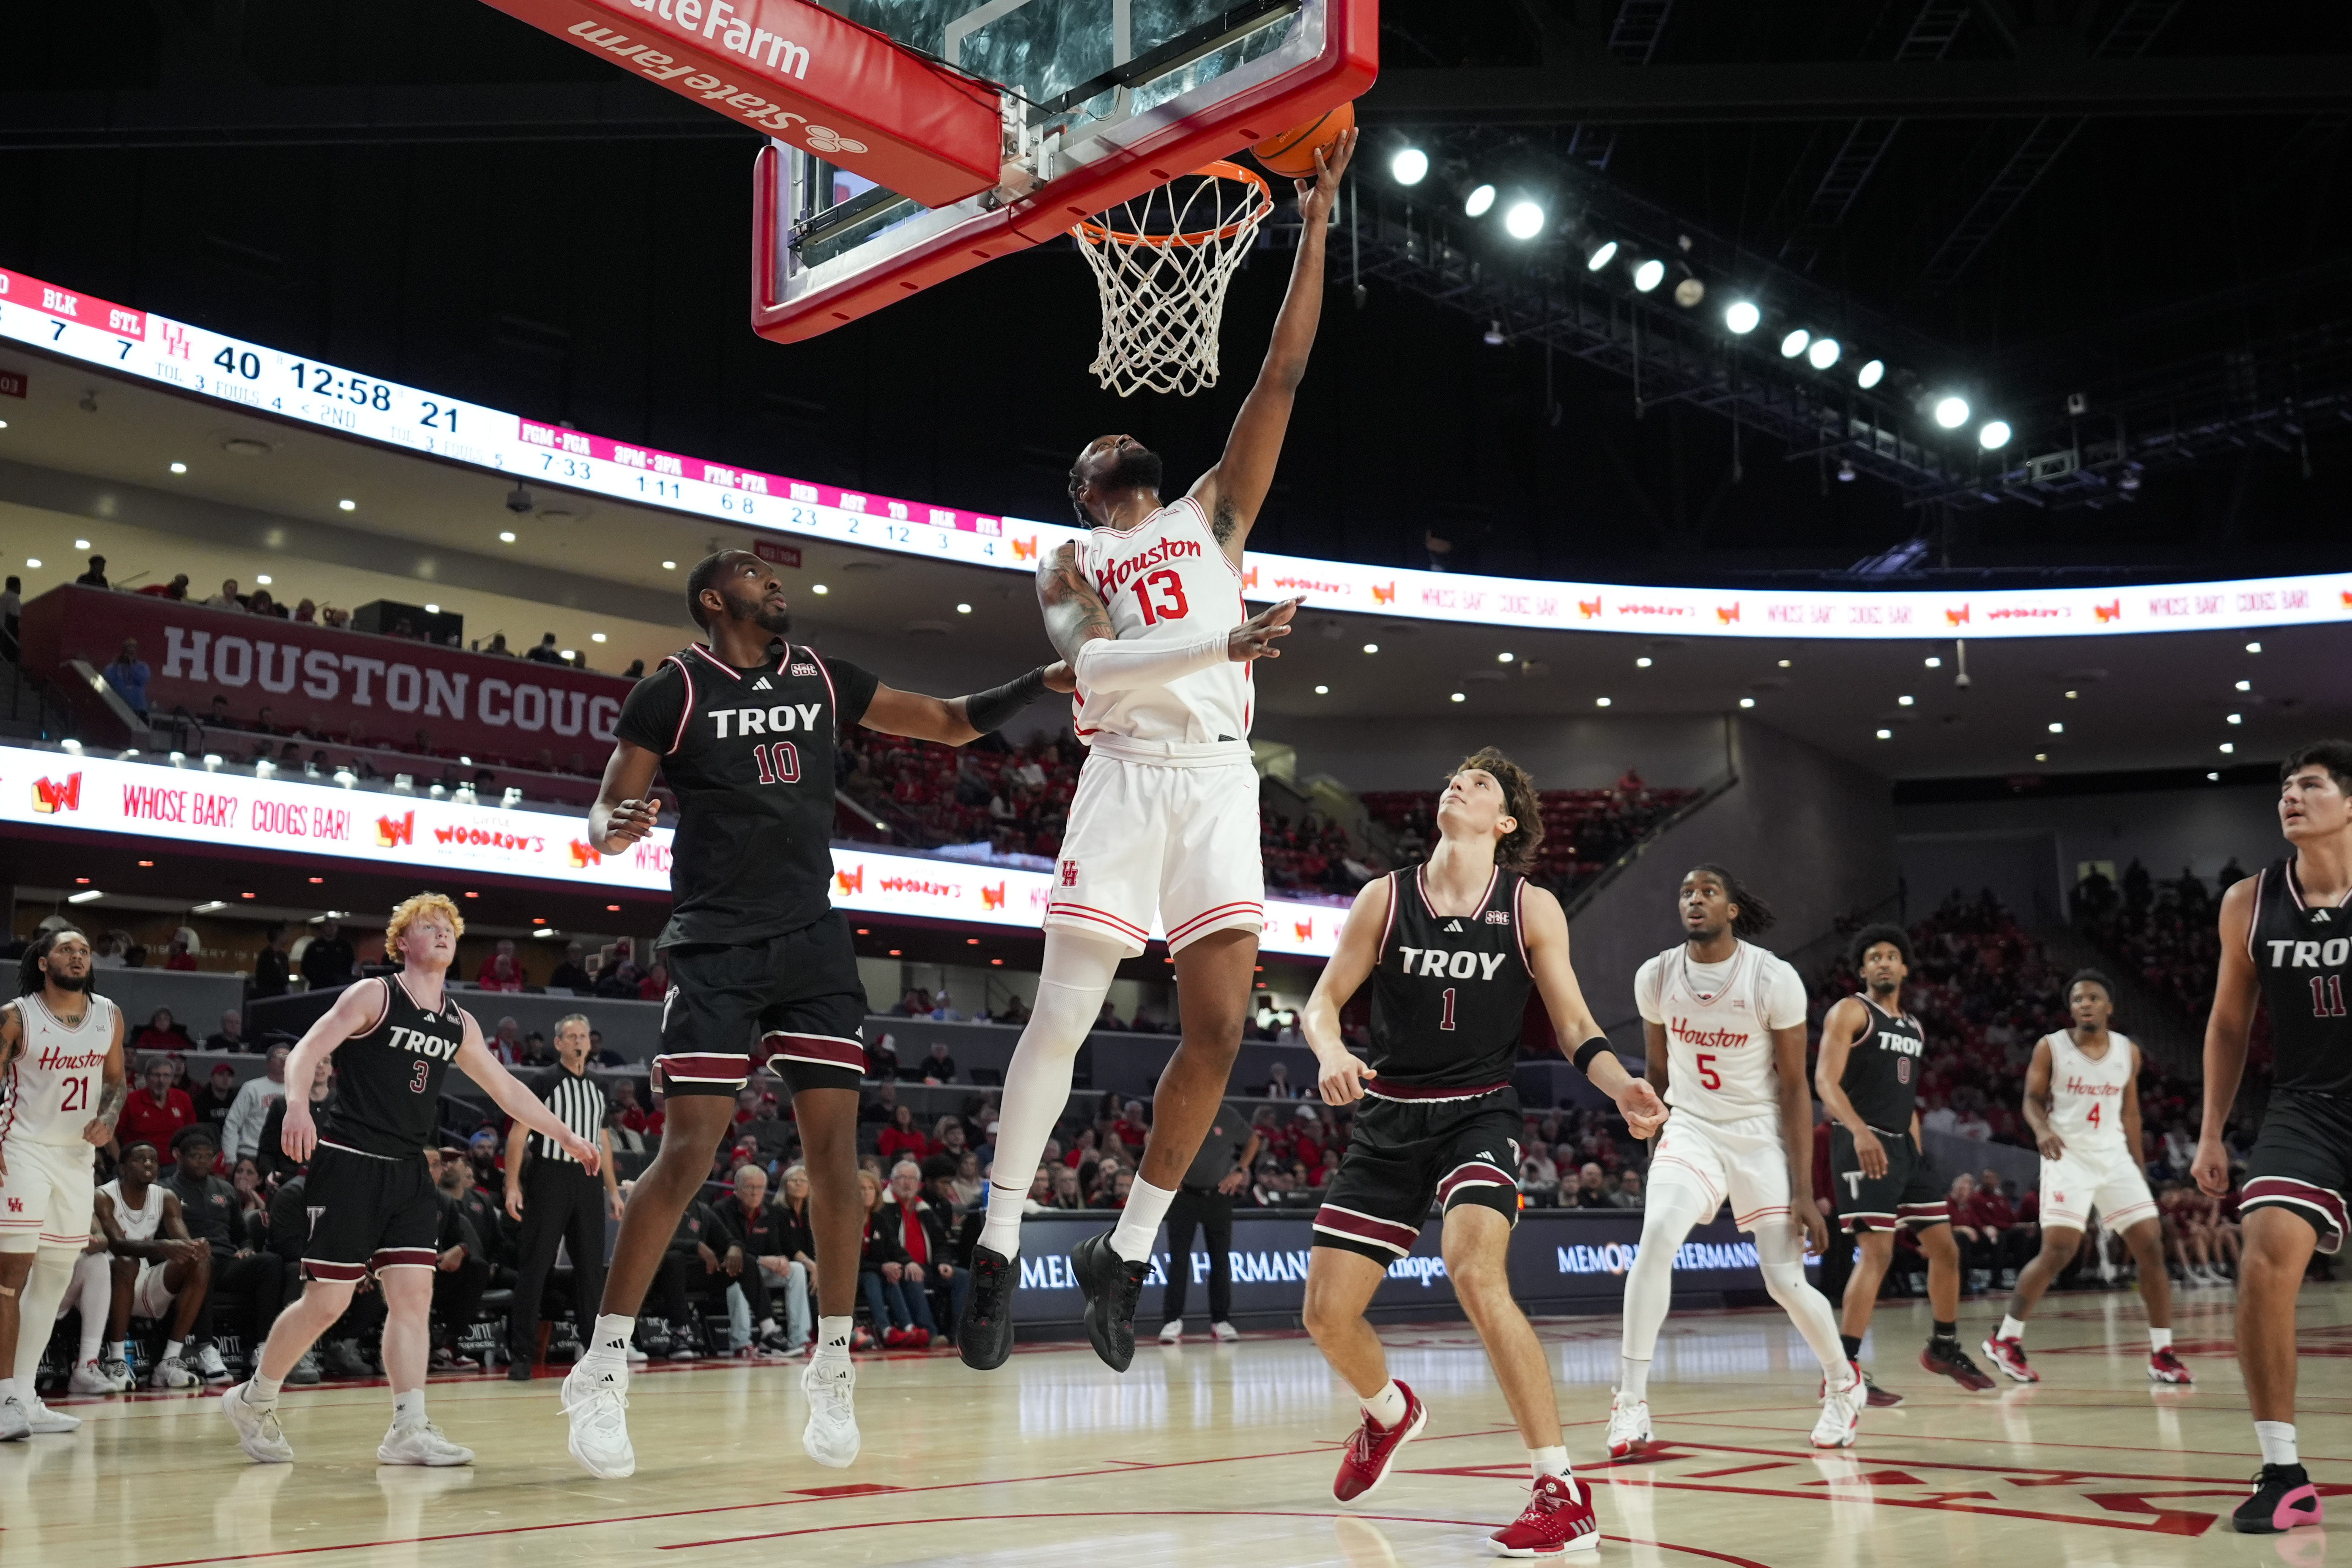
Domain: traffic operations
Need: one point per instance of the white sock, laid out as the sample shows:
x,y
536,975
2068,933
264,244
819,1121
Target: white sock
x,y
1071,984
172,1349
1551,1461
2011,1329
261,1393
999,1230
2160,1339
1138,1223
611,1338
2277,1438
833,1335
124,1350
1387,1407
409,1409
1634,1378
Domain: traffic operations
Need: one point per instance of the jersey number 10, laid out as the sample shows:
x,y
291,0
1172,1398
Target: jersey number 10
x,y
786,759
2327,996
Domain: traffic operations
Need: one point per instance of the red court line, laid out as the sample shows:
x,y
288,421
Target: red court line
x,y
1981,1441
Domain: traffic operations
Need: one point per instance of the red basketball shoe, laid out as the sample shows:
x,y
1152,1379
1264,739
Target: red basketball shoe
x,y
1364,1465
2163,1366
1558,1520
2008,1355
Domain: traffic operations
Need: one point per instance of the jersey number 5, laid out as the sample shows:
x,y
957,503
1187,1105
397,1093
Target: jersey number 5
x,y
786,759
1173,608
1706,1073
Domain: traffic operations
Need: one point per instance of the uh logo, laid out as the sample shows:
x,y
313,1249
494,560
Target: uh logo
x,y
50,796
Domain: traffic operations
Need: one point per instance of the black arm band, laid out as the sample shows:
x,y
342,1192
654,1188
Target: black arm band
x,y
992,710
1583,1054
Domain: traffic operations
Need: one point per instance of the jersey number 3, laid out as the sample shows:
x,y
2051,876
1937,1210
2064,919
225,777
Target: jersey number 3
x,y
1171,608
424,1076
786,761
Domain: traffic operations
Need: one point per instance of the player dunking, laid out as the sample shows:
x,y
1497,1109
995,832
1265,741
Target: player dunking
x,y
1165,819
371,1192
1451,949
2286,942
1730,1018
745,729
2081,1099
62,1055
1868,1078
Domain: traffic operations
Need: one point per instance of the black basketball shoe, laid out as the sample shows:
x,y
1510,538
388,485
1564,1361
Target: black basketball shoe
x,y
2282,1498
984,1334
1111,1286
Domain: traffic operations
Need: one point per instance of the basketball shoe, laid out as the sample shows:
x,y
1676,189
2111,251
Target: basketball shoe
x,y
1558,1520
2282,1498
831,1435
2163,1366
984,1332
2008,1357
1842,1409
1879,1398
1364,1463
1629,1425
1110,1284
258,1431
596,1398
40,1419
1944,1358
420,1442
90,1378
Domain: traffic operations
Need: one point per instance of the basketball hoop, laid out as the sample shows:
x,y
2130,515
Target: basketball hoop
x,y
1162,262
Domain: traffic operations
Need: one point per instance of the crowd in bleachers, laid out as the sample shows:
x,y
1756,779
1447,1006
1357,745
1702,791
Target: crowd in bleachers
x,y
2166,935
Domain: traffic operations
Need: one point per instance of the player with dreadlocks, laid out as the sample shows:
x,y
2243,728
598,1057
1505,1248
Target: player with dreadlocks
x,y
1724,1024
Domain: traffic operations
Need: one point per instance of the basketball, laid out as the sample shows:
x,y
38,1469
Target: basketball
x,y
1292,153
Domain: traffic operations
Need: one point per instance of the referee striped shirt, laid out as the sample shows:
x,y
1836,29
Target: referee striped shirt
x,y
577,1102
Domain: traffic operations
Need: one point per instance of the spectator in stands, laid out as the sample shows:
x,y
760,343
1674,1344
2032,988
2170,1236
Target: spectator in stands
x,y
228,598
1628,1189
461,1262
1539,1177
645,1120
502,970
261,604
756,1230
269,1149
230,1036
655,984
241,1129
923,1230
938,1066
883,1105
157,1111
1977,1249
331,616
944,1011
1110,1019
1971,1122
902,1137
214,1216
213,1102
601,1055
1993,1214
306,613
545,653
700,1262
252,1198
328,961
891,1282
568,975
95,577
161,1032
129,675
1066,1192
536,1051
180,958
1277,1083
506,1041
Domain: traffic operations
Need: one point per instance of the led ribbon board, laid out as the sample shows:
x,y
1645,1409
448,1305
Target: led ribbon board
x,y
328,398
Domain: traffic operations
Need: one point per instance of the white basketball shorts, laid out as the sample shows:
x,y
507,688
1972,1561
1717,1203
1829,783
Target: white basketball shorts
x,y
150,1297
2082,1179
1160,830
46,1196
1744,1160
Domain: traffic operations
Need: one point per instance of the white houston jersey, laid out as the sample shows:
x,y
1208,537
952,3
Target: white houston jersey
x,y
53,1084
2087,1096
1167,578
139,1223
1719,1019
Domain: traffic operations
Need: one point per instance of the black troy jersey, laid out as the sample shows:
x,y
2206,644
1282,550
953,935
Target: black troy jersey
x,y
749,753
388,1081
1450,992
1882,1071
2303,955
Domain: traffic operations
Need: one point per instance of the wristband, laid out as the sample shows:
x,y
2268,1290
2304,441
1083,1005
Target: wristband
x,y
1583,1054
991,710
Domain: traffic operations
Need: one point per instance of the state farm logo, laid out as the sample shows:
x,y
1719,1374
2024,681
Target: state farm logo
x,y
992,898
50,796
850,882
395,832
584,855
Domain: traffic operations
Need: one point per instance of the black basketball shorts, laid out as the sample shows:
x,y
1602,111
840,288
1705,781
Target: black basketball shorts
x,y
1406,1154
794,1001
2302,1161
1907,1195
368,1215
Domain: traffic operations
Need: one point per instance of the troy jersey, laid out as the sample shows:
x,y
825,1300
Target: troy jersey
x,y
54,1082
388,1080
1167,578
1882,1070
2303,958
137,1224
2087,1096
1449,992
1718,1019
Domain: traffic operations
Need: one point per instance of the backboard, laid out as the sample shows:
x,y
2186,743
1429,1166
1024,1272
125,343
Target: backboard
x,y
1103,100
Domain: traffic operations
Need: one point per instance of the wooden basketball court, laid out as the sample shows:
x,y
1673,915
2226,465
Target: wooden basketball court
x,y
1211,1455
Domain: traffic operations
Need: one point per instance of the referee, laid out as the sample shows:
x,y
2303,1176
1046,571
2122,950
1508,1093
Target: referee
x,y
556,1199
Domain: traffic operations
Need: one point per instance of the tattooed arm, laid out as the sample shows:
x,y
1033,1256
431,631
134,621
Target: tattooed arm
x,y
117,1089
1074,615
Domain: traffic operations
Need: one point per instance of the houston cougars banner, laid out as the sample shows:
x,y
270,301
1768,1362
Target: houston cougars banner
x,y
192,803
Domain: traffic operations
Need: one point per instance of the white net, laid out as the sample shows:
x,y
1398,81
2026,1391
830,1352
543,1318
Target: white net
x,y
1161,263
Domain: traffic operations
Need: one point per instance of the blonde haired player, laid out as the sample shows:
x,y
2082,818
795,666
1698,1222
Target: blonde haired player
x,y
2081,1099
372,1205
1724,1024
61,1053
1149,613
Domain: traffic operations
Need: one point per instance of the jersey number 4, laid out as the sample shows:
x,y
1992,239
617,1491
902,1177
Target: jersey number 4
x,y
2327,996
2094,1117
1172,609
779,764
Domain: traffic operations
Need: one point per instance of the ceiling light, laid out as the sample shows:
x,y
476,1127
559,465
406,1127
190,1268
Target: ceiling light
x,y
1524,221
1410,167
1935,663
572,653
1458,696
963,609
1479,200
2228,749
1649,275
2237,718
2040,756
178,468
2245,686
894,952
819,588
263,579
84,898
611,908
1643,662
82,544
1905,702
1748,702
2057,729
1601,256
33,560
1870,375
348,505
2254,647
505,536
1887,734
1371,647
1322,691
1600,703
1794,343
1824,354
473,895
1494,334
1742,317
316,881
1785,662
432,609
208,906
2072,695
146,863
1689,292
596,636
2213,778
1951,412
1993,434
1845,471
1503,659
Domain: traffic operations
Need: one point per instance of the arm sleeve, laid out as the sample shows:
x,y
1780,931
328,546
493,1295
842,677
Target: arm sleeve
x,y
853,690
1107,664
1784,997
1646,998
650,712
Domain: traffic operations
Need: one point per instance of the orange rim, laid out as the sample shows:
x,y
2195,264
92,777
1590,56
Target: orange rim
x,y
1103,234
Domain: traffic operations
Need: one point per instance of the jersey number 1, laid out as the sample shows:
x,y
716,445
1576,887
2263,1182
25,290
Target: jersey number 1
x,y
787,760
1446,1022
2327,996
1173,609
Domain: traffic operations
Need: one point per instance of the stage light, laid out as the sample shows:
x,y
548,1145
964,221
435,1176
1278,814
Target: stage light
x,y
1649,275
1524,221
1870,375
1600,255
1410,167
1748,702
1824,354
1479,201
1994,435
1742,318
1845,471
1600,703
1794,343
1951,412
1371,647
1689,292
1935,663
1643,662
1887,734
1459,697
1322,691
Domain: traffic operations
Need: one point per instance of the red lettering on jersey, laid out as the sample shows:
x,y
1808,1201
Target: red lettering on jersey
x,y
1710,1039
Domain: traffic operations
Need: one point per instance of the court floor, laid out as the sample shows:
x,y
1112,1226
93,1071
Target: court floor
x,y
1220,1455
